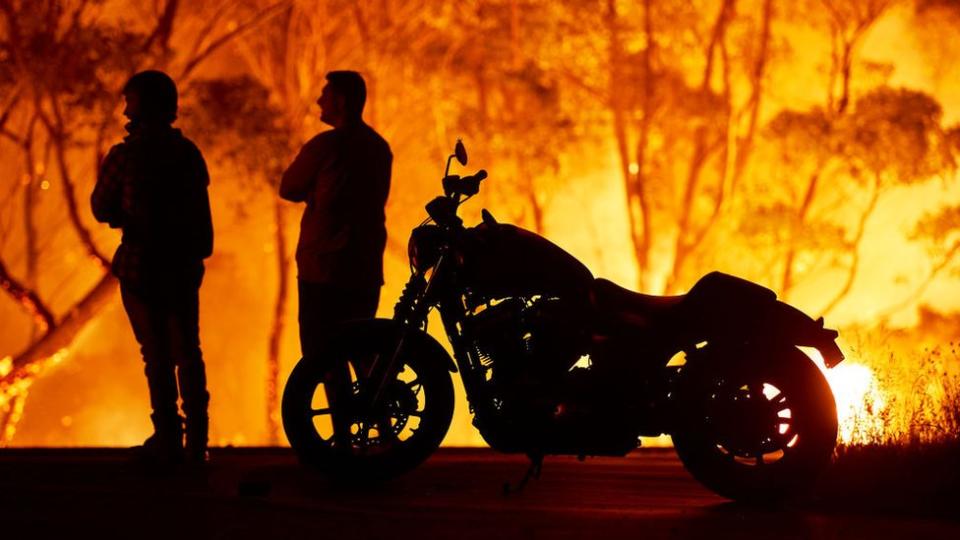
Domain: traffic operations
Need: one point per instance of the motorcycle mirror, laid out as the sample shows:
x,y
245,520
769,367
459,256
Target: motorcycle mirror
x,y
460,152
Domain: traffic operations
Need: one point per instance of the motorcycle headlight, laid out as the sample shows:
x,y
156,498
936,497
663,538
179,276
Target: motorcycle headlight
x,y
424,247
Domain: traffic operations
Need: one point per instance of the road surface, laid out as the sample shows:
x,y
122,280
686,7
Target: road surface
x,y
458,494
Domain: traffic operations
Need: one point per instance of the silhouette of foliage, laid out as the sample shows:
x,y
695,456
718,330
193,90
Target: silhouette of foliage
x,y
896,135
234,118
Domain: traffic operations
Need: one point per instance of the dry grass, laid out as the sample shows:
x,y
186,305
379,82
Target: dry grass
x,y
903,452
914,397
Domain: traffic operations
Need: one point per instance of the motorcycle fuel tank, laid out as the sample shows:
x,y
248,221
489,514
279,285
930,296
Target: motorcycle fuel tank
x,y
500,260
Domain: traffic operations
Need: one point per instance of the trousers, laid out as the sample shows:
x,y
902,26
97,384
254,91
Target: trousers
x,y
324,305
166,323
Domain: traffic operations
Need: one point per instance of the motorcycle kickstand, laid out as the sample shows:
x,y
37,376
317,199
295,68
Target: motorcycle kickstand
x,y
536,465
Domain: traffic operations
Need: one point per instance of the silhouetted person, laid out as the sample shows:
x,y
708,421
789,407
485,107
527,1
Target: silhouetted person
x,y
344,177
153,186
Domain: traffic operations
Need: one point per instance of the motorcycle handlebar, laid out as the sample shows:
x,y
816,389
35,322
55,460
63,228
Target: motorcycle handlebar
x,y
467,185
443,210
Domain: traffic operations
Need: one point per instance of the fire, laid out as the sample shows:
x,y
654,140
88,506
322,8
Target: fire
x,y
859,400
861,403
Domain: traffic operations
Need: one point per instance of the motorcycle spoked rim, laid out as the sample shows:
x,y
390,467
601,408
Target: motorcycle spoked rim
x,y
797,469
318,452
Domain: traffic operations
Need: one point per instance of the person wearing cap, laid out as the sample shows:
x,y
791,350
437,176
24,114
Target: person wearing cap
x,y
153,186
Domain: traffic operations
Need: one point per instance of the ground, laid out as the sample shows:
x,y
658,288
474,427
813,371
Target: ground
x,y
265,494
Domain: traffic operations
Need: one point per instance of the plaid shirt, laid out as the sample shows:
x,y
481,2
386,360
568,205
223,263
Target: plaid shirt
x,y
153,185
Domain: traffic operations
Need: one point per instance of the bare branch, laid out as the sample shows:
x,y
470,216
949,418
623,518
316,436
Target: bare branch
x,y
634,182
74,20
855,251
8,110
918,292
277,324
161,34
208,27
29,204
7,216
701,154
11,135
11,15
27,298
264,15
745,143
62,334
56,131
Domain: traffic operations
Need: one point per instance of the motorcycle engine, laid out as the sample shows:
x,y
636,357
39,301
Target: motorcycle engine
x,y
527,341
527,347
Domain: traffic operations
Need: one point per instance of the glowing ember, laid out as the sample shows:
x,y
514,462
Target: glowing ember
x,y
12,399
13,393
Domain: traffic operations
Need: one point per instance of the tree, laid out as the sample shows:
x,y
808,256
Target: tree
x,y
54,99
62,64
891,137
682,131
939,232
234,119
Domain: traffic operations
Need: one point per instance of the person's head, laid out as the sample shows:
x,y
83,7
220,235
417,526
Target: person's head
x,y
151,97
342,98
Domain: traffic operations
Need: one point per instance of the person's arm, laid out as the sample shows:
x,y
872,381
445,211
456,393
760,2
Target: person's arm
x,y
203,215
105,201
299,178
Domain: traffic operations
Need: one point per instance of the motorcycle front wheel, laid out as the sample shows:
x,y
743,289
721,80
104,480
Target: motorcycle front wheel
x,y
756,426
403,426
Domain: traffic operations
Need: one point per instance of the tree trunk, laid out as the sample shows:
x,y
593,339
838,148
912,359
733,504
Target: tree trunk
x,y
28,299
786,280
684,242
48,350
61,335
29,224
745,143
69,193
277,326
855,251
638,210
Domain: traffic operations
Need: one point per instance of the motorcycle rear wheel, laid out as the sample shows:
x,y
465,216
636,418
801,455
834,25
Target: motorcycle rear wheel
x,y
756,426
405,426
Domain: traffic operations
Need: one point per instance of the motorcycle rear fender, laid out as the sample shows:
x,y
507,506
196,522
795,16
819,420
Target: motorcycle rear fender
x,y
421,341
783,323
726,307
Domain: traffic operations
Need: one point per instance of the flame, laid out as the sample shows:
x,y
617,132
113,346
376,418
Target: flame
x,y
12,399
859,400
13,393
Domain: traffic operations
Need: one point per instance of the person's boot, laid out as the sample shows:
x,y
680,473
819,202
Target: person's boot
x,y
165,446
198,426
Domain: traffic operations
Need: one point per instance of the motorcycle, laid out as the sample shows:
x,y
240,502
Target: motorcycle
x,y
555,361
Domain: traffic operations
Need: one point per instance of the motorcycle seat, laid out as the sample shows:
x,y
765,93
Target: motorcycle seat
x,y
623,305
